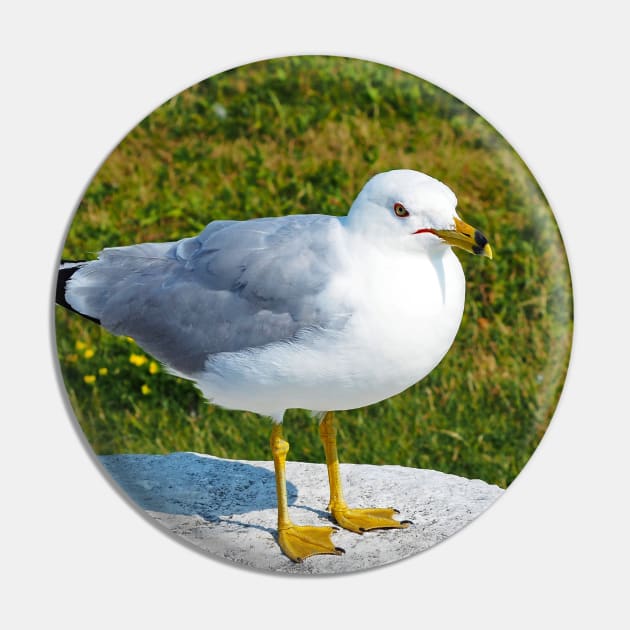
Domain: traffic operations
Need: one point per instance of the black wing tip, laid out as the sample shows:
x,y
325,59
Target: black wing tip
x,y
67,268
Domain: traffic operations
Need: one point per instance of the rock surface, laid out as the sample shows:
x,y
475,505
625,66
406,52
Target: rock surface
x,y
227,508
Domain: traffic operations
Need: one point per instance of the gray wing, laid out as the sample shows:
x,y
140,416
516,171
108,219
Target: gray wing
x,y
239,284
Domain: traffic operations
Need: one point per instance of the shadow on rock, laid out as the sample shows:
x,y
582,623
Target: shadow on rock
x,y
193,484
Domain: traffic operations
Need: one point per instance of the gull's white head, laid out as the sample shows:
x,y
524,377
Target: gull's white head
x,y
410,210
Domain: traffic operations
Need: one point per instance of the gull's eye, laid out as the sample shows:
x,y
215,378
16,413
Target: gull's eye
x,y
400,210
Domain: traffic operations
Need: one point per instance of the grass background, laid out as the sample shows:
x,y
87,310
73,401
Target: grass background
x,y
299,135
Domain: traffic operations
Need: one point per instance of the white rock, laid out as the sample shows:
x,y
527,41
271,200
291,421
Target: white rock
x,y
227,508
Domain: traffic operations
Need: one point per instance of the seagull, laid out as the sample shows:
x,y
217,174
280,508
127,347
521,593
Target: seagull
x,y
313,312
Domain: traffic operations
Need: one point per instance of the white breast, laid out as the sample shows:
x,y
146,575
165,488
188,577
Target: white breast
x,y
414,309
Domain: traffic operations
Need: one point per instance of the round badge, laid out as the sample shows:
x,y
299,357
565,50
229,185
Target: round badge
x,y
315,315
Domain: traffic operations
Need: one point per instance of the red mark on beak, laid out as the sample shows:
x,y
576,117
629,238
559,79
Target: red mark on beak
x,y
424,231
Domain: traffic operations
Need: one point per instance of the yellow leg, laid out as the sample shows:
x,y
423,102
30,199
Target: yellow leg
x,y
356,520
297,542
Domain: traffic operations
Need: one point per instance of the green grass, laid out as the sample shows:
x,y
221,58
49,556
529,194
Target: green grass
x,y
303,135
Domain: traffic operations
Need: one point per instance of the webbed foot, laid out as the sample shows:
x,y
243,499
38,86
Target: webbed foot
x,y
360,520
301,541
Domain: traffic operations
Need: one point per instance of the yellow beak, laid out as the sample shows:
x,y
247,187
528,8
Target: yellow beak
x,y
466,237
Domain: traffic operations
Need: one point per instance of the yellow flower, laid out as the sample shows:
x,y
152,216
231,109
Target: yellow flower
x,y
72,358
137,359
90,379
130,339
80,345
154,368
103,371
89,353
145,389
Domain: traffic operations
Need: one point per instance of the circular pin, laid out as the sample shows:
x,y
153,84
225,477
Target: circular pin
x,y
240,265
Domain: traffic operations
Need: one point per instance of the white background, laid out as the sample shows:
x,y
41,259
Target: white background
x,y
552,77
